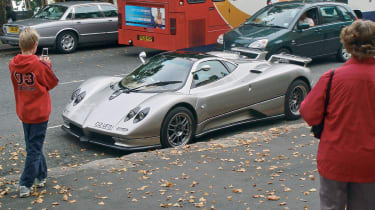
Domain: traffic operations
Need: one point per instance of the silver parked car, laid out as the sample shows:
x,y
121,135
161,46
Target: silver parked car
x,y
65,25
177,96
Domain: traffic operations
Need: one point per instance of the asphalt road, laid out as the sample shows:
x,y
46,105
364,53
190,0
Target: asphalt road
x,y
63,150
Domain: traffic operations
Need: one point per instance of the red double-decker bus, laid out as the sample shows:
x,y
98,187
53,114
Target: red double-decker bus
x,y
174,24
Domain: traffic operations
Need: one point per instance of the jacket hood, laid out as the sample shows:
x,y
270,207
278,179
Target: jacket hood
x,y
24,63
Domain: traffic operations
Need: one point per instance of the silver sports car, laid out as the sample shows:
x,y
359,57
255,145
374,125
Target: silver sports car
x,y
177,96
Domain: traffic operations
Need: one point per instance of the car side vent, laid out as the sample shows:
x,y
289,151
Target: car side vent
x,y
255,71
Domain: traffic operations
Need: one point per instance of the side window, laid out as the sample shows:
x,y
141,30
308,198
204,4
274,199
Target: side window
x,y
216,71
195,1
310,17
109,10
329,14
70,15
345,14
231,66
85,12
217,0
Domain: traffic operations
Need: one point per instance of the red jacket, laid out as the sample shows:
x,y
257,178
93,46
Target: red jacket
x,y
32,79
347,146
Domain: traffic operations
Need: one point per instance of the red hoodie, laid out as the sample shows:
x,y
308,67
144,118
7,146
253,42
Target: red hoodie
x,y
32,79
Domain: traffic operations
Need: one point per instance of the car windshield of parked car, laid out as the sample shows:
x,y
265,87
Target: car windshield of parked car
x,y
52,12
275,16
161,73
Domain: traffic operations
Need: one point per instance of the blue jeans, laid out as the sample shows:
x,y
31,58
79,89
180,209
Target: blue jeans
x,y
35,164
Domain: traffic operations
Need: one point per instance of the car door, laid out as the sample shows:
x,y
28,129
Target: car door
x,y
307,42
110,23
88,21
334,19
215,91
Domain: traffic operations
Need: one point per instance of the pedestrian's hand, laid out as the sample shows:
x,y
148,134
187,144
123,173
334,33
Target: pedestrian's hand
x,y
45,58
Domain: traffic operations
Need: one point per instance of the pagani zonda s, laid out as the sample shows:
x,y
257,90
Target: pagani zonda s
x,y
177,96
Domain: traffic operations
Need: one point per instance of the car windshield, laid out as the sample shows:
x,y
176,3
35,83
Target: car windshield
x,y
161,73
275,16
52,12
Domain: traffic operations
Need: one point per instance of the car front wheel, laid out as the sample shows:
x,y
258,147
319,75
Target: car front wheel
x,y
178,128
343,55
295,94
67,42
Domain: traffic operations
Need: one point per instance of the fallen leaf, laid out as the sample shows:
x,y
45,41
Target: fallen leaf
x,y
237,190
65,197
101,203
273,198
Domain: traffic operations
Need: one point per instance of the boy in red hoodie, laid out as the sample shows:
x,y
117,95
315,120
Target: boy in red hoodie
x,y
32,78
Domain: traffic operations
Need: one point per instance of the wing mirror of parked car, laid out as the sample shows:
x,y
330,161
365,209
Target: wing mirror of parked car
x,y
142,55
205,68
303,26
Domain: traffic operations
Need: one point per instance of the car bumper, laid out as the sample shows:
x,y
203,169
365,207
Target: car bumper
x,y
13,40
125,144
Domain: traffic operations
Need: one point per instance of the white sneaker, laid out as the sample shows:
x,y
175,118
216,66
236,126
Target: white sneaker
x,y
24,191
40,183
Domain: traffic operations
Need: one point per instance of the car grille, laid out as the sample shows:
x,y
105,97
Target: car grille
x,y
76,130
101,138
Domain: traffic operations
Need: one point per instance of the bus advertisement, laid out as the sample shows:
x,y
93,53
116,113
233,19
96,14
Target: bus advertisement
x,y
181,24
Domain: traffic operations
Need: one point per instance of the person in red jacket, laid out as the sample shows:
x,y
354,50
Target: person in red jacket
x,y
346,152
32,78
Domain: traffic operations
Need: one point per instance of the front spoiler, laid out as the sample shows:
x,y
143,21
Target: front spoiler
x,y
117,146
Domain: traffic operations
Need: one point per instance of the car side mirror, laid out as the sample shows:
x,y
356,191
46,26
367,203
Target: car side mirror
x,y
205,68
142,55
303,26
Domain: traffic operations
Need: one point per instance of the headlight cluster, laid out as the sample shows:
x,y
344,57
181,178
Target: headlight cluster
x,y
260,44
77,96
137,113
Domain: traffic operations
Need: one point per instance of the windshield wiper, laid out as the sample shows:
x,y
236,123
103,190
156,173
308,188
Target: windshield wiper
x,y
128,90
253,24
275,26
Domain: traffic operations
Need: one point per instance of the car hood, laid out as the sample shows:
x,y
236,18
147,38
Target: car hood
x,y
246,34
98,107
30,22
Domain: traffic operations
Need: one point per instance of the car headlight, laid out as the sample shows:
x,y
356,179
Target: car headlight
x,y
141,115
220,39
75,94
132,113
79,98
260,44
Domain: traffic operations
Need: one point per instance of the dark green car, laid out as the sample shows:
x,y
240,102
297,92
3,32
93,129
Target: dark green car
x,y
305,29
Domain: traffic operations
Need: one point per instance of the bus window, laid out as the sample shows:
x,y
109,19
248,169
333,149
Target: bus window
x,y
195,1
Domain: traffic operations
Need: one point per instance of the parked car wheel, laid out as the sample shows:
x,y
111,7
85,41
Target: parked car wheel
x,y
295,94
283,51
67,42
342,54
178,128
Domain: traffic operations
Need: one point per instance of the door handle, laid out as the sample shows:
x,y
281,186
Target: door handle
x,y
110,20
318,30
78,22
249,88
211,8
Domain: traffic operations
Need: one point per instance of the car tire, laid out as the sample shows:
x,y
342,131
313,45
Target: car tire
x,y
178,128
283,50
67,42
295,94
342,54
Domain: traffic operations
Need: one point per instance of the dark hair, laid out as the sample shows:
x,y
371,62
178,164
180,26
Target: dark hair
x,y
359,39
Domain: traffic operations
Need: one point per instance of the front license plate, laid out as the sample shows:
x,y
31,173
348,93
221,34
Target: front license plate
x,y
146,38
13,29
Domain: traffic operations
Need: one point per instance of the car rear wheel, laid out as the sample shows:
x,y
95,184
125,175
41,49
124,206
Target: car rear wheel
x,y
295,94
342,54
67,42
178,128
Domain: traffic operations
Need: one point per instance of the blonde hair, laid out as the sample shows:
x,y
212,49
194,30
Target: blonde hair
x,y
359,39
28,38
